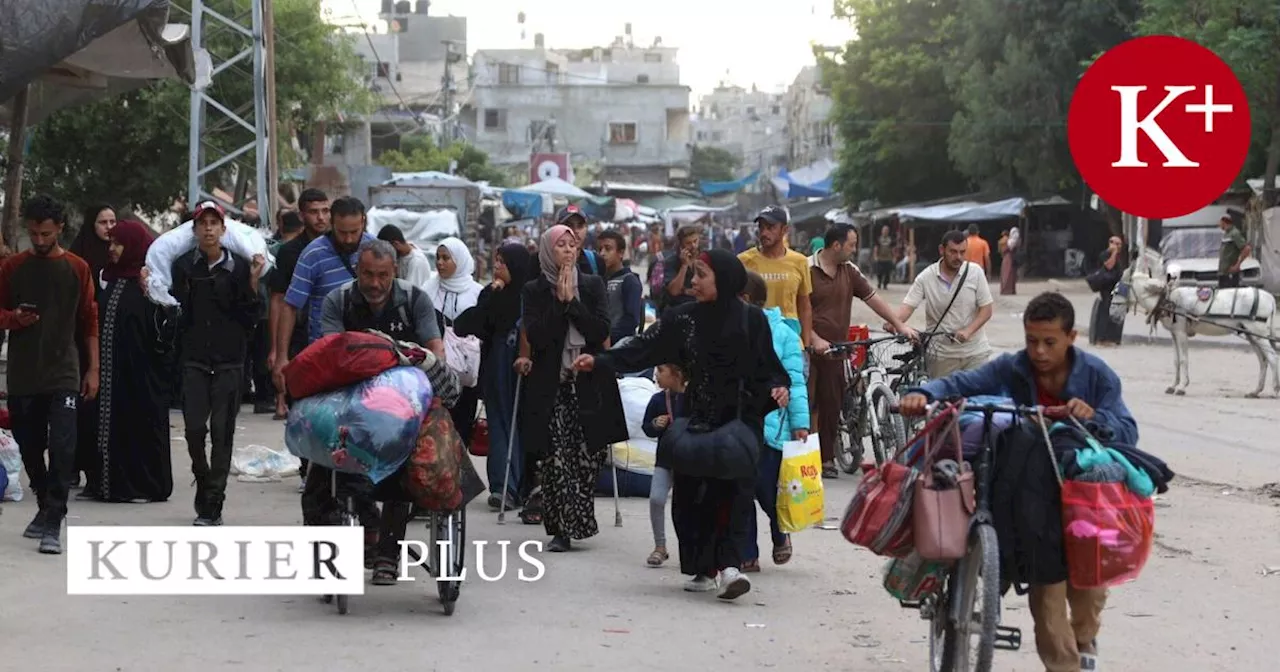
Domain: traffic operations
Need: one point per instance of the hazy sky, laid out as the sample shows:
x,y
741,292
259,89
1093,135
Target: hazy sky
x,y
761,42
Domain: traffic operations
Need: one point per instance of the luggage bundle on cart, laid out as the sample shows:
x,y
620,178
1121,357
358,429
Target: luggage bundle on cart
x,y
366,405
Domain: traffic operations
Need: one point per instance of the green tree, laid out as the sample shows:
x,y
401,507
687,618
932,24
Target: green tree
x,y
713,164
891,104
1012,73
132,150
420,152
1245,34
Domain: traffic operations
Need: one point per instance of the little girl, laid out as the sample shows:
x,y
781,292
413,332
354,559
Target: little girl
x,y
662,409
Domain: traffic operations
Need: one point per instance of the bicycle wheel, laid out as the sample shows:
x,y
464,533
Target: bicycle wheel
x,y
970,640
849,450
887,435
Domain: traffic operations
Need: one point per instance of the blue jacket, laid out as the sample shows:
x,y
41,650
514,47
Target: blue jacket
x,y
786,344
657,408
1090,380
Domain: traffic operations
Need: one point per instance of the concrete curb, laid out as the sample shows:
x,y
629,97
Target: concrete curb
x,y
1140,339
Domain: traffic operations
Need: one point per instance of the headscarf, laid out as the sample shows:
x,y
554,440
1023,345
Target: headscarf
x,y
88,246
722,339
505,303
135,238
458,292
574,341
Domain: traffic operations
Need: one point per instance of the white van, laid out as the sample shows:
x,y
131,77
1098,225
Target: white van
x,y
1193,242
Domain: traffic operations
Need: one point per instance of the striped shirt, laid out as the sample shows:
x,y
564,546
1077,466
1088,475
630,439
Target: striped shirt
x,y
320,270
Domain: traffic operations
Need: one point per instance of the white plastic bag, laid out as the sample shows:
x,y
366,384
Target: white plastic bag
x,y
254,463
639,454
462,356
11,460
240,238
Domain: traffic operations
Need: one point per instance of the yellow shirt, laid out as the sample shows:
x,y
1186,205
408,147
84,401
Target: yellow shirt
x,y
787,277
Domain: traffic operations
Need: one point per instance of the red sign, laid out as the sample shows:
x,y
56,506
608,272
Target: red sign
x,y
548,166
1159,127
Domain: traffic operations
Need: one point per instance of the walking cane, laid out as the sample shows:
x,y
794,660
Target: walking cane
x,y
617,512
511,446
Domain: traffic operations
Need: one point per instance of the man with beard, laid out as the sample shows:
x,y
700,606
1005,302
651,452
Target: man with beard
x,y
957,300
784,270
377,300
47,304
313,205
327,263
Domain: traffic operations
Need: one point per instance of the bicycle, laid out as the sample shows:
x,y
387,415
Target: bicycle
x,y
864,408
955,617
912,372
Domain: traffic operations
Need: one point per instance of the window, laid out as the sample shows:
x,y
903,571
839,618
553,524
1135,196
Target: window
x,y
751,109
642,79
777,109
495,119
717,136
623,133
384,69
508,73
651,57
702,135
553,72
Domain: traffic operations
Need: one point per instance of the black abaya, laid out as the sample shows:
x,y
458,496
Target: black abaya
x,y
132,433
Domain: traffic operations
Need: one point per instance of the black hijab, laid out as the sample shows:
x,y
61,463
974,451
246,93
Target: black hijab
x,y
505,303
88,246
722,336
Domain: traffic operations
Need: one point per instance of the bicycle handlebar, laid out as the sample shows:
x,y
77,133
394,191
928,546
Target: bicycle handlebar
x,y
849,346
1050,412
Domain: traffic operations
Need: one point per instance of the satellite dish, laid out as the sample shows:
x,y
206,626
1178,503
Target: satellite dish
x,y
548,170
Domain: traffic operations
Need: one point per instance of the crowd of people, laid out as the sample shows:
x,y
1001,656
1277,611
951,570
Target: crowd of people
x,y
739,348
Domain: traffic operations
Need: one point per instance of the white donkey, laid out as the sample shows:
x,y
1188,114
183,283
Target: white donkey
x,y
1249,312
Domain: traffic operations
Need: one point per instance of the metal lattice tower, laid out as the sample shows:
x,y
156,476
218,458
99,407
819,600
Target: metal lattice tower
x,y
204,105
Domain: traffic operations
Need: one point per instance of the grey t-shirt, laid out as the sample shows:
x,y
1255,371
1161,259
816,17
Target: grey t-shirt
x,y
422,312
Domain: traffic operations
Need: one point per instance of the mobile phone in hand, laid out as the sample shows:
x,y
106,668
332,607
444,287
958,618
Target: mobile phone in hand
x,y
29,308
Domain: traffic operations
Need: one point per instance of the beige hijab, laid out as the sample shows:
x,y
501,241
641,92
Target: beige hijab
x,y
574,341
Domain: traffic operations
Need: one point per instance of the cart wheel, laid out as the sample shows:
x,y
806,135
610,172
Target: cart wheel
x,y
342,604
328,599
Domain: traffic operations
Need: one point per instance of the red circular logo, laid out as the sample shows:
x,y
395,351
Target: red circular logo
x,y
1159,127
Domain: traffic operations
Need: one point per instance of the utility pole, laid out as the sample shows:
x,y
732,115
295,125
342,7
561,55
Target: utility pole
x,y
268,210
13,168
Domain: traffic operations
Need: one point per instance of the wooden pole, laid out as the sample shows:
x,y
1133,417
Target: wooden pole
x,y
13,173
911,260
268,210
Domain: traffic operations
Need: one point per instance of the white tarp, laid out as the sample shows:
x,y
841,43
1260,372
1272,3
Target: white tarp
x,y
555,187
425,230
967,211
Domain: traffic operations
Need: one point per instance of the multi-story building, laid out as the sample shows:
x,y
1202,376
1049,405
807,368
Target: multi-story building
x,y
418,68
620,108
750,124
811,135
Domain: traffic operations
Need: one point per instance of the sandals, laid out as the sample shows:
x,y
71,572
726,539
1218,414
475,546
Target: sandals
x,y
384,572
750,566
531,514
657,557
781,554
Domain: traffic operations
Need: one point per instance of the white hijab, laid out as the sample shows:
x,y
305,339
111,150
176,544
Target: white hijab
x,y
458,292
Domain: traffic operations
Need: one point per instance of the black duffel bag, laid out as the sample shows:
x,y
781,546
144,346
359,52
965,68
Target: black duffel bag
x,y
730,451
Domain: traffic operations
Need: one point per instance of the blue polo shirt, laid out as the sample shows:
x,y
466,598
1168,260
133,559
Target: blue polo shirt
x,y
319,271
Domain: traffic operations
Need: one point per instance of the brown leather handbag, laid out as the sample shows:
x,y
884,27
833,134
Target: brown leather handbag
x,y
940,517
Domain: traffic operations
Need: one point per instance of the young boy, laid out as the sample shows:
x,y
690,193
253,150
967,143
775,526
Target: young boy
x,y
624,289
1049,372
664,407
789,424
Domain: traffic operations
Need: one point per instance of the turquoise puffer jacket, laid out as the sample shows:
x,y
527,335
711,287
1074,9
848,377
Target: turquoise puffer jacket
x,y
779,424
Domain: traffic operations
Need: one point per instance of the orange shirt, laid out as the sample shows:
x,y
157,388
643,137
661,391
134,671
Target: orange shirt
x,y
978,252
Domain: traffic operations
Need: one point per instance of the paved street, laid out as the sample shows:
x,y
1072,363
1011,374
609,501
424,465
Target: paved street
x,y
1203,602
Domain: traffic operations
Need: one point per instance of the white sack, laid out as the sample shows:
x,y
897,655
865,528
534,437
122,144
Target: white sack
x,y
254,463
425,230
240,238
639,454
11,461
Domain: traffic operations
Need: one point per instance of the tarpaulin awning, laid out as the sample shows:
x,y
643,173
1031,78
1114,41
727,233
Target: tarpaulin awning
x,y
555,187
811,181
967,211
523,205
74,51
709,188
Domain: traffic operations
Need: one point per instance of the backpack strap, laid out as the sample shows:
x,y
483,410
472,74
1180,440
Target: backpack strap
x,y
591,259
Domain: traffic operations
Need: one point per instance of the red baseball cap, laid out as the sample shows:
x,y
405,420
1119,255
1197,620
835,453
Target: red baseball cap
x,y
208,206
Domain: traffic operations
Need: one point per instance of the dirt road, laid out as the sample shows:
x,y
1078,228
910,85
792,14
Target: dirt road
x,y
1203,602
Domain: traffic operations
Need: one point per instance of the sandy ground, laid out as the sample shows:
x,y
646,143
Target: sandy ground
x,y
1203,601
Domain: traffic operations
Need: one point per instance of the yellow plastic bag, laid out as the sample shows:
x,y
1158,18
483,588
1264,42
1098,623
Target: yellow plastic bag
x,y
800,500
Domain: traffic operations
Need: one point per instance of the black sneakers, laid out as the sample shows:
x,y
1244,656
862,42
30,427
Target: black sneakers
x,y
51,540
35,530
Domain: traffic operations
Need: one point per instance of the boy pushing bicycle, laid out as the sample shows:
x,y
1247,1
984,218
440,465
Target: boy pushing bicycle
x,y
1050,372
